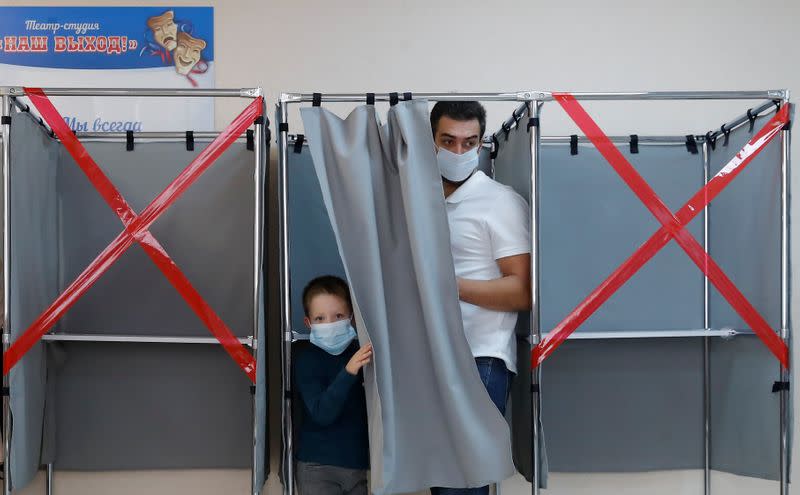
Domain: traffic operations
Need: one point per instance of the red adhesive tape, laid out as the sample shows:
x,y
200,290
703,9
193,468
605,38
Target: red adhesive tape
x,y
672,227
136,229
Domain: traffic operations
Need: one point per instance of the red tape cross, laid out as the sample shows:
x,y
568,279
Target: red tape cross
x,y
136,230
672,228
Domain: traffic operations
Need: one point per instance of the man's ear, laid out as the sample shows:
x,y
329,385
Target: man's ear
x,y
307,322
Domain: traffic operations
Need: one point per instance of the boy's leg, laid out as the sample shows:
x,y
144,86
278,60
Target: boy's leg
x,y
496,378
317,479
355,482
484,490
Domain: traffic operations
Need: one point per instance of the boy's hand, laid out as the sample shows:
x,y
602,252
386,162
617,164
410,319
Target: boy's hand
x,y
361,358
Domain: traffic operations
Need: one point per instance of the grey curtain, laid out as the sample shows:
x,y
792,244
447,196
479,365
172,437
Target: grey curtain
x,y
431,421
34,283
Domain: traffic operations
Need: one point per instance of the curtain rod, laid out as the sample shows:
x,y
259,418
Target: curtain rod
x,y
771,94
139,92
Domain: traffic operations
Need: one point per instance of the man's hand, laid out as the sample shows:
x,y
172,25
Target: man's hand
x,y
511,292
361,358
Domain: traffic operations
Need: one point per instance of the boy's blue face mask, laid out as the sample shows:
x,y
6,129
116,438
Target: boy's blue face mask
x,y
333,337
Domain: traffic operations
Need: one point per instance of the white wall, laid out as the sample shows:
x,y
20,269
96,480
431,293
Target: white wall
x,y
444,45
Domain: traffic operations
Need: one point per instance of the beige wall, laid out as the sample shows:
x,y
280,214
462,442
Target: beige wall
x,y
466,45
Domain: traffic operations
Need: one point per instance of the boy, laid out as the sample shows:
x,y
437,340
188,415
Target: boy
x,y
333,453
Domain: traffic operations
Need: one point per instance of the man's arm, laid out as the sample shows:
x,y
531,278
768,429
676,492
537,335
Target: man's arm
x,y
511,292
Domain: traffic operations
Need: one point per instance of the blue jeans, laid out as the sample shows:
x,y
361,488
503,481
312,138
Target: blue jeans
x,y
497,380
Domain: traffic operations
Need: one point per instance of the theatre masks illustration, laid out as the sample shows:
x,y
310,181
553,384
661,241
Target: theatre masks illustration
x,y
188,52
165,31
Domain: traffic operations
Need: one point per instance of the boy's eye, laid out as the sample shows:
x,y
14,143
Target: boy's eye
x,y
339,316
318,318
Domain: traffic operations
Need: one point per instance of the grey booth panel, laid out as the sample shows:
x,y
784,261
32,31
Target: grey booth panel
x,y
208,232
590,222
745,231
624,405
150,406
312,243
33,266
744,240
744,411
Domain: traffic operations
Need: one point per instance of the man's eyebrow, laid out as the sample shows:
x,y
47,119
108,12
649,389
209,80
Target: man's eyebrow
x,y
444,134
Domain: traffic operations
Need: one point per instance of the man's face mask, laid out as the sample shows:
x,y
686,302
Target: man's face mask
x,y
457,168
333,337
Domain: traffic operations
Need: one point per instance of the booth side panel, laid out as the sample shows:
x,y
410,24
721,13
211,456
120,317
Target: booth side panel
x,y
33,281
744,239
312,243
261,463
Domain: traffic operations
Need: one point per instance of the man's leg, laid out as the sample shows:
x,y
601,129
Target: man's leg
x,y
496,378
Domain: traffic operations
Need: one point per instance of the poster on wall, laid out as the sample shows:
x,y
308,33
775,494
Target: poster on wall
x,y
114,47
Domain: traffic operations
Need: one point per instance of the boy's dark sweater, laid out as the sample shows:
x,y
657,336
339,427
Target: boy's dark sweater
x,y
334,426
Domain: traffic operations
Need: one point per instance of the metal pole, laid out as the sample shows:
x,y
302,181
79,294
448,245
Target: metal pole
x,y
258,147
286,332
706,341
49,480
785,317
139,339
137,92
172,136
655,334
6,130
772,94
534,111
361,97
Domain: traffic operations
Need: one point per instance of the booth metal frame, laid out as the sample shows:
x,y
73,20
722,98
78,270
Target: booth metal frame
x,y
9,95
533,102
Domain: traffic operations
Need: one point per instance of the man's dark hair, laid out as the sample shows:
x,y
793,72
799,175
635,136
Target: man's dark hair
x,y
326,284
459,110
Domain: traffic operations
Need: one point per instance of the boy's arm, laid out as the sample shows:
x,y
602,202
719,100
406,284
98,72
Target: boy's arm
x,y
324,404
511,292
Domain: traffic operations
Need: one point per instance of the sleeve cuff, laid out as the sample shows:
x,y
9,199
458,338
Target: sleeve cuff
x,y
514,251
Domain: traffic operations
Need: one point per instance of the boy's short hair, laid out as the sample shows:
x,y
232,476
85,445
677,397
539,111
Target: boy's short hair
x,y
326,284
458,110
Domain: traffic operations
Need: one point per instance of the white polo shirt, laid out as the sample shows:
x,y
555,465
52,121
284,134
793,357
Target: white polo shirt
x,y
488,221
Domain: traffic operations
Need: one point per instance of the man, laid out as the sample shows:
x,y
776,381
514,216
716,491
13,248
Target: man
x,y
490,241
